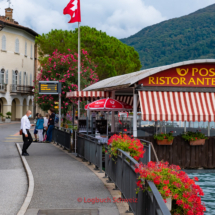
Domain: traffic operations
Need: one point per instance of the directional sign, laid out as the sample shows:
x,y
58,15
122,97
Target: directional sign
x,y
56,103
56,107
49,87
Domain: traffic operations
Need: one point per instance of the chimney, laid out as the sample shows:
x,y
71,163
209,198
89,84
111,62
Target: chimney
x,y
9,13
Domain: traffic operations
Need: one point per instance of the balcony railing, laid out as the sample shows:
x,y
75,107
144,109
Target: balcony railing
x,y
23,89
3,88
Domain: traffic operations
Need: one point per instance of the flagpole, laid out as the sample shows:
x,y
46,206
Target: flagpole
x,y
79,66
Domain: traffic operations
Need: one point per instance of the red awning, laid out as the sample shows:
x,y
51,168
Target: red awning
x,y
177,106
88,95
128,100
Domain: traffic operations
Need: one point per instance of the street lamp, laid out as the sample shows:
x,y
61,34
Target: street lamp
x,y
2,25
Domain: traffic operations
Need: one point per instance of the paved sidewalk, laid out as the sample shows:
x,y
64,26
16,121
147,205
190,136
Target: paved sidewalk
x,y
13,181
60,180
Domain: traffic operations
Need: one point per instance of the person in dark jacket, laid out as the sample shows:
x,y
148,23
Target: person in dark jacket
x,y
50,125
39,127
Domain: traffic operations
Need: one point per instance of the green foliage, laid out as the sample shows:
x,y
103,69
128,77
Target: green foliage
x,y
110,54
192,136
1,115
181,39
163,136
8,115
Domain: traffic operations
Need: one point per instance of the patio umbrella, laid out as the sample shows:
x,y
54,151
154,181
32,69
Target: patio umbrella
x,y
108,105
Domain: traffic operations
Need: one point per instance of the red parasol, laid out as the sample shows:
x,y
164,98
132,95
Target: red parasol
x,y
108,105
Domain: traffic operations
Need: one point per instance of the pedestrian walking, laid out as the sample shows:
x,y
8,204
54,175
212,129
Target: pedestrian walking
x,y
25,127
50,124
35,130
39,127
45,125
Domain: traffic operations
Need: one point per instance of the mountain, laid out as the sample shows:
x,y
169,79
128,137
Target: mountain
x,y
185,38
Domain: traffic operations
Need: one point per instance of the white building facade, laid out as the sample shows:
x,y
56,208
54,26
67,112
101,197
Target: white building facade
x,y
18,65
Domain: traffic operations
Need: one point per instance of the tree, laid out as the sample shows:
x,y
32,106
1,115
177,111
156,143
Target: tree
x,y
63,68
110,54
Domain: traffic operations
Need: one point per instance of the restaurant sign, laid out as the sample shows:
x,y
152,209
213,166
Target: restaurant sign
x,y
195,75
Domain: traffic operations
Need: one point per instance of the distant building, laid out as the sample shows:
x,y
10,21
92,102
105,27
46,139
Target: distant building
x,y
18,65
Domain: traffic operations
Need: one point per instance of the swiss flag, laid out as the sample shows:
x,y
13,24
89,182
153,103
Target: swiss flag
x,y
74,10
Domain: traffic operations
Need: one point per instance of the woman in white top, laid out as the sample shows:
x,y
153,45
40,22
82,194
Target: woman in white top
x,y
45,125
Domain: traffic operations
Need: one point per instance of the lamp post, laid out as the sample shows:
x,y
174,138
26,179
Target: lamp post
x,y
2,25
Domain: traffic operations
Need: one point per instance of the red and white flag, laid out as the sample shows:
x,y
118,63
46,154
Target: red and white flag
x,y
74,10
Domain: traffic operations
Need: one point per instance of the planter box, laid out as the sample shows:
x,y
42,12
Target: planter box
x,y
197,142
7,120
119,153
169,203
164,142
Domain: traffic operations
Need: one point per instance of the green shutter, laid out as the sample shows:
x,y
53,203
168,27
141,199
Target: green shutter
x,y
7,77
20,78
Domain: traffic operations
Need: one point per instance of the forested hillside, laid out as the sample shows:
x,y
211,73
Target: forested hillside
x,y
185,38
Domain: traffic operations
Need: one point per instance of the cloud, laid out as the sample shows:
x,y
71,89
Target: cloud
x,y
119,18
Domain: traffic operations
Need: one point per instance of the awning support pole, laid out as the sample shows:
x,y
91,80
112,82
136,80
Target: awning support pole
x,y
113,116
209,129
134,114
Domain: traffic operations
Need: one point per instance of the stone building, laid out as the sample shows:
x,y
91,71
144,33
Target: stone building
x,y
18,65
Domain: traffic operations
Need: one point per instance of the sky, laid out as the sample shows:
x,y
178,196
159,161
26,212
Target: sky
x,y
118,18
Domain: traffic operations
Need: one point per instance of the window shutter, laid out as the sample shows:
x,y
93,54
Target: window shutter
x,y
31,50
14,78
20,78
4,42
7,77
25,48
31,84
1,81
24,78
17,46
27,79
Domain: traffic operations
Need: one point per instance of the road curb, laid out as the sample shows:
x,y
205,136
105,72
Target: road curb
x,y
30,192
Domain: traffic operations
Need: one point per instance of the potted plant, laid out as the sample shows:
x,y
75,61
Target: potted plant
x,y
8,116
164,139
195,138
174,185
1,116
131,146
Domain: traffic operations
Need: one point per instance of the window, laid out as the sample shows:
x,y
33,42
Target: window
x,y
15,77
24,78
3,43
25,48
2,76
17,46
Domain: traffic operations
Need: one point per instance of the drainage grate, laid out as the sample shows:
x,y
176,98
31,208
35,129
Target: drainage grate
x,y
69,212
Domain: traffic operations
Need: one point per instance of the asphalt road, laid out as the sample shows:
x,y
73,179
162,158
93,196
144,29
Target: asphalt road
x,y
13,180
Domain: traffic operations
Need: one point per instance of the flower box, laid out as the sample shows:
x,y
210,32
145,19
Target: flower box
x,y
7,120
164,142
169,203
197,142
120,153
